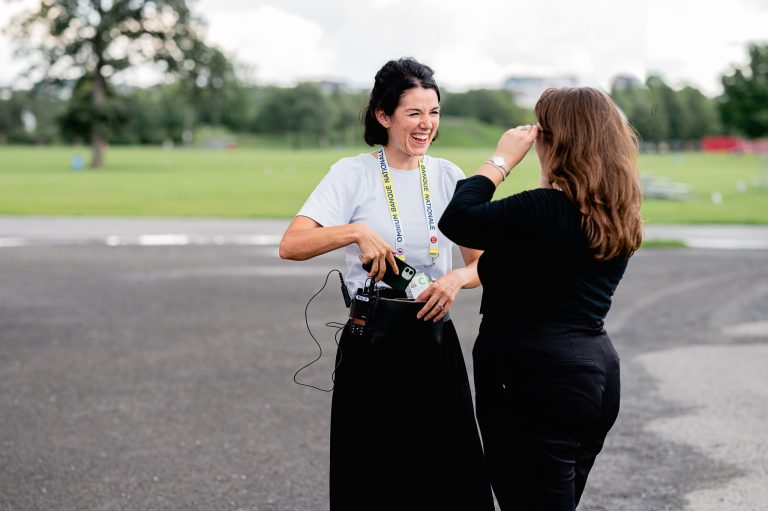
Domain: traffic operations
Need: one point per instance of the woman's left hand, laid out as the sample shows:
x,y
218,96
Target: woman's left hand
x,y
515,143
439,296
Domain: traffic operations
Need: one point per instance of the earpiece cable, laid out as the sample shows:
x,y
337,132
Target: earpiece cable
x,y
331,324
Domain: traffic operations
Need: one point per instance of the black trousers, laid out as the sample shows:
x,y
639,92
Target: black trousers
x,y
546,397
403,430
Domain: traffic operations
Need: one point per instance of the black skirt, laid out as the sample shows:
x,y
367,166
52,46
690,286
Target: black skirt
x,y
403,430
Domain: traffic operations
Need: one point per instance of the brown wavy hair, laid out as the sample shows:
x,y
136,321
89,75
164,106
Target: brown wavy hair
x,y
591,153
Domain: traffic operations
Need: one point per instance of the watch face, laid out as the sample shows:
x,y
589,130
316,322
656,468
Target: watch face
x,y
498,160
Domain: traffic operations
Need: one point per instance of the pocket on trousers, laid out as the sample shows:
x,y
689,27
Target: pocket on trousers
x,y
579,384
561,395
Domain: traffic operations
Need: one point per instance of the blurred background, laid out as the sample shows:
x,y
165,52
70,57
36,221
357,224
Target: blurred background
x,y
237,108
153,151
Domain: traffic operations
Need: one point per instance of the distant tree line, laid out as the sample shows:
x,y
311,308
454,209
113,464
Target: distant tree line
x,y
76,98
319,114
662,114
495,107
308,114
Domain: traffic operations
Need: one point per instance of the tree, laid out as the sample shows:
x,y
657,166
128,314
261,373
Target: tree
x,y
89,42
349,110
237,109
704,119
645,113
84,119
10,117
495,107
215,90
744,104
155,115
299,111
660,113
665,99
29,116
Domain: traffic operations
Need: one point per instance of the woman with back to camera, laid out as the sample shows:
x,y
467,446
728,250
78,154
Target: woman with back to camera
x,y
403,431
546,373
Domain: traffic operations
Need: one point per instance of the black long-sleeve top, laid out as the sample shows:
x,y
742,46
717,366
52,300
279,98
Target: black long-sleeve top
x,y
536,265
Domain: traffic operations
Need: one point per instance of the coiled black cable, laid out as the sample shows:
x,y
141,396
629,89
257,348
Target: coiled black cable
x,y
331,324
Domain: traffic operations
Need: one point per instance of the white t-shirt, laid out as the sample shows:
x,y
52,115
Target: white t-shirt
x,y
352,192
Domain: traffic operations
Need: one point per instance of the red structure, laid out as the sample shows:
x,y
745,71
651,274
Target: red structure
x,y
755,146
721,144
733,145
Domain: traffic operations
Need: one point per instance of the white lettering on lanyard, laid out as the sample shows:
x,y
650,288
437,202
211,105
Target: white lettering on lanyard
x,y
394,211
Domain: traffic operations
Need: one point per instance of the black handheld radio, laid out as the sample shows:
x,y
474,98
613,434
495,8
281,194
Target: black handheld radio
x,y
361,310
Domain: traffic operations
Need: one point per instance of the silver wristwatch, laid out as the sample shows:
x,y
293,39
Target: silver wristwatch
x,y
498,161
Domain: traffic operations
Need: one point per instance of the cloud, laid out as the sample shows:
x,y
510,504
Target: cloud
x,y
282,46
695,42
10,67
480,42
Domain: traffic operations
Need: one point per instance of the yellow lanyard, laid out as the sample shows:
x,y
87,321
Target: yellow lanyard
x,y
394,211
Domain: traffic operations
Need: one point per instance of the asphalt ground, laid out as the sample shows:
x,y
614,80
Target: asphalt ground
x,y
161,377
117,231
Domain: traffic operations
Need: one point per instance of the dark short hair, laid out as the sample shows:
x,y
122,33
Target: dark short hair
x,y
392,80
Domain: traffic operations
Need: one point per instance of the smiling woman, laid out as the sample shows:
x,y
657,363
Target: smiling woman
x,y
412,126
402,421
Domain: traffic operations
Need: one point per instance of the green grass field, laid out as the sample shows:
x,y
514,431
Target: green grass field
x,y
253,182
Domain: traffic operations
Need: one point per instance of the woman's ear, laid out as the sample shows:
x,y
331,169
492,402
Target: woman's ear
x,y
384,119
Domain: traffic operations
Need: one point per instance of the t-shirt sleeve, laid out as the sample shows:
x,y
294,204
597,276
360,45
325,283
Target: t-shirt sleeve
x,y
332,202
452,175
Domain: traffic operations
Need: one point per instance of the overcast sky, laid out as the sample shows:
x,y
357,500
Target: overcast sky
x,y
475,43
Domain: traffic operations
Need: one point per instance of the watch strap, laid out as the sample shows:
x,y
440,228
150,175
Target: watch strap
x,y
498,167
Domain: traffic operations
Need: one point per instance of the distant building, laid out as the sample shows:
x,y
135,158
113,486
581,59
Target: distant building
x,y
626,82
527,89
331,86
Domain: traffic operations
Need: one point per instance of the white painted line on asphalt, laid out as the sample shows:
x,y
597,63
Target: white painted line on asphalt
x,y
726,243
150,240
11,242
262,240
160,240
112,241
270,271
265,239
752,329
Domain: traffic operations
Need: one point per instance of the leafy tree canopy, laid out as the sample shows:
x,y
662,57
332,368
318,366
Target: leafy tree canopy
x,y
744,105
